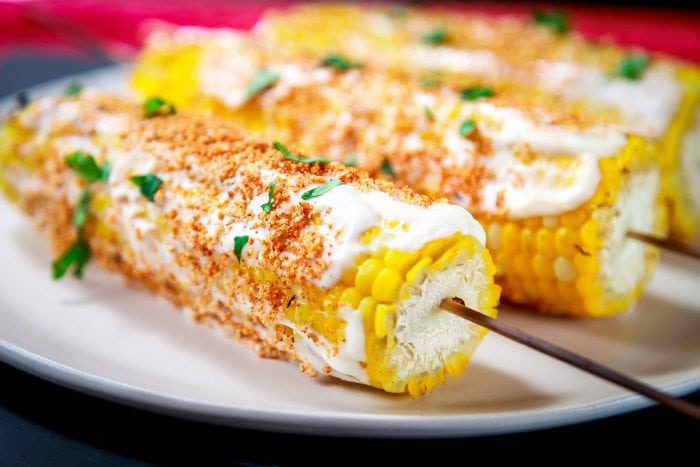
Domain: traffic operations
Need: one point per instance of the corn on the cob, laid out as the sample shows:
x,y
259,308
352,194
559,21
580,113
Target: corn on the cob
x,y
557,195
659,100
345,277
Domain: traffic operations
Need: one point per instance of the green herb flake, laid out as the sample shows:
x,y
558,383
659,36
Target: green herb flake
x,y
73,89
148,184
321,189
262,80
80,214
429,113
289,156
435,36
633,66
238,244
387,169
85,166
556,20
77,255
475,93
351,161
267,207
338,62
467,127
154,106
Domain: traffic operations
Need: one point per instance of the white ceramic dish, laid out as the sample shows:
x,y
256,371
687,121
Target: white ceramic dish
x,y
104,338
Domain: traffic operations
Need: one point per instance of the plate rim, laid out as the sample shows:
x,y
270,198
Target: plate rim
x,y
297,422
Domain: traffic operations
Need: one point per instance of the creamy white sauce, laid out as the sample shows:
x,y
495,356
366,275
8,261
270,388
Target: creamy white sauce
x,y
350,212
648,104
480,62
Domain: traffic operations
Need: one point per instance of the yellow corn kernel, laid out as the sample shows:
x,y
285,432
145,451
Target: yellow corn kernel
x,y
419,268
565,242
488,262
527,241
564,269
533,223
386,285
510,238
585,264
399,260
544,242
573,219
543,267
434,248
416,385
303,313
366,274
589,233
366,307
455,364
394,386
350,296
330,328
521,265
383,320
495,236
369,235
348,277
435,380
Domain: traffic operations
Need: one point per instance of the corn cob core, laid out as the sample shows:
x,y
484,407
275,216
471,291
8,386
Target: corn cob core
x,y
347,282
511,54
522,171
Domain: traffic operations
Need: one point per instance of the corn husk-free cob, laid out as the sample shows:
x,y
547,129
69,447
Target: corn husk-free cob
x,y
653,96
557,194
307,261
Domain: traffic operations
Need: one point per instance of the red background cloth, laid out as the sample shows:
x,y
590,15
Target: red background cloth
x,y
116,24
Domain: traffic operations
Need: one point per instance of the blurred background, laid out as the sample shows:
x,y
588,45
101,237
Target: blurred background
x,y
41,40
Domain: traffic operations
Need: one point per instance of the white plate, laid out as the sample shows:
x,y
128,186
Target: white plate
x,y
103,338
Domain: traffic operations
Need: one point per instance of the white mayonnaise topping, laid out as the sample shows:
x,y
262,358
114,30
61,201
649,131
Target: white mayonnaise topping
x,y
350,212
480,62
648,104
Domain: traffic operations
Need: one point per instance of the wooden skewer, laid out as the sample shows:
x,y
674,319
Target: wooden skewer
x,y
574,359
665,243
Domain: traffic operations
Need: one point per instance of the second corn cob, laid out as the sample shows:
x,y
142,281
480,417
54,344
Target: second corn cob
x,y
556,192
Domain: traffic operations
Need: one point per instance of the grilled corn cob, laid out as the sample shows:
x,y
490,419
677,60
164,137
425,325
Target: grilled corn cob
x,y
556,194
659,99
306,261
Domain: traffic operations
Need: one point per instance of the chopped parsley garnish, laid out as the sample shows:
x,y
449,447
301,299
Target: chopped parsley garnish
x,y
289,156
632,66
429,113
73,89
77,255
467,127
475,93
267,207
351,161
80,214
154,106
84,165
556,20
148,184
262,80
338,62
435,36
238,244
321,189
387,169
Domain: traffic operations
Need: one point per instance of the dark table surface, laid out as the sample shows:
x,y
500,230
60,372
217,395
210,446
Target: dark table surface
x,y
44,424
